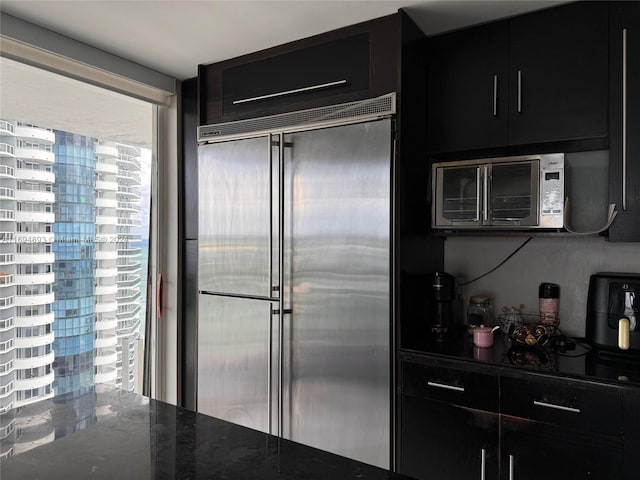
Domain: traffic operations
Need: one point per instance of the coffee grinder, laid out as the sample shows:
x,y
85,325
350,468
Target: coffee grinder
x,y
443,291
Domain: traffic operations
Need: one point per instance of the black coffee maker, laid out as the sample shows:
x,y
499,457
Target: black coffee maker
x,y
442,295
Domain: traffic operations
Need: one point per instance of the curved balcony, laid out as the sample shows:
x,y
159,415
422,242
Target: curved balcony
x,y
109,340
7,237
7,302
7,150
7,171
130,222
125,191
7,193
106,220
35,175
105,185
7,367
104,167
35,154
127,177
105,357
106,255
34,362
35,320
107,324
106,272
35,257
35,382
106,150
31,300
106,307
7,128
28,342
7,258
35,196
7,389
36,279
127,298
106,203
106,375
30,132
35,237
7,345
129,252
130,281
35,217
26,444
7,279
106,289
7,214
7,324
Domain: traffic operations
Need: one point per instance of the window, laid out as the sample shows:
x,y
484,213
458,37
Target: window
x,y
83,217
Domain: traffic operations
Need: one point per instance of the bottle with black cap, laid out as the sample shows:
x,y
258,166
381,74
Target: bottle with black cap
x,y
549,303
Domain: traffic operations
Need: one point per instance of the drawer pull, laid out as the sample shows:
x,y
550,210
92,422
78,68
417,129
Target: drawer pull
x,y
483,464
557,407
290,92
445,386
511,469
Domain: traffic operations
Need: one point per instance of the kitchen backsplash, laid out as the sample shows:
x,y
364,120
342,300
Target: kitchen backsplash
x,y
567,261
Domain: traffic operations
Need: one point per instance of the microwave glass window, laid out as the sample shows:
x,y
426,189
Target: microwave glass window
x,y
460,194
511,197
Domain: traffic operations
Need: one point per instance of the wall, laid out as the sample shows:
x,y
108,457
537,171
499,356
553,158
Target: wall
x,y
567,261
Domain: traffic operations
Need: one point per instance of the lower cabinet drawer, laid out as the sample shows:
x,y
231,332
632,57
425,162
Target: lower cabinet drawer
x,y
565,402
450,385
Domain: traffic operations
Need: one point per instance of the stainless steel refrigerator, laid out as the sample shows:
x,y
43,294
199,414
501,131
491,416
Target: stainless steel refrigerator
x,y
295,277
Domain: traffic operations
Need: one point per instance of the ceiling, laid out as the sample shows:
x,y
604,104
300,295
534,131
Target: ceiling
x,y
173,37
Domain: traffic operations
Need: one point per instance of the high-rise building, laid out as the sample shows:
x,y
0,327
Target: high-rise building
x,y
26,253
70,263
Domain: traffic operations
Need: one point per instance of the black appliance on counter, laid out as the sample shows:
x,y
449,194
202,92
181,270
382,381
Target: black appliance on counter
x,y
443,292
613,312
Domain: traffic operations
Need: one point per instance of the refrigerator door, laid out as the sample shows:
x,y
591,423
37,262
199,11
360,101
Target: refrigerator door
x,y
336,340
234,360
236,231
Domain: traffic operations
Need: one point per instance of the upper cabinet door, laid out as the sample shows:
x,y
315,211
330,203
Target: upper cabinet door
x,y
559,74
468,105
624,149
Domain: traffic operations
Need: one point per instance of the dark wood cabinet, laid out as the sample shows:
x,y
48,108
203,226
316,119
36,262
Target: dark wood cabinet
x,y
539,78
624,149
532,450
449,424
462,420
467,89
348,64
558,85
442,440
559,428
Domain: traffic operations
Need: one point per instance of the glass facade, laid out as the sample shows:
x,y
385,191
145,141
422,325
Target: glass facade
x,y
74,249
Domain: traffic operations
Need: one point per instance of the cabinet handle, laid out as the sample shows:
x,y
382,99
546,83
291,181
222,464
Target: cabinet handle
x,y
519,91
495,95
557,407
511,476
290,92
485,194
445,386
624,119
483,461
478,206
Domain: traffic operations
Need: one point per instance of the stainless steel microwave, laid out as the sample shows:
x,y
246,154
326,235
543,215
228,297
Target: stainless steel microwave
x,y
523,192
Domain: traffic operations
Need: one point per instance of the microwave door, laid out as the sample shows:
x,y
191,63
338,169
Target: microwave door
x,y
513,194
458,201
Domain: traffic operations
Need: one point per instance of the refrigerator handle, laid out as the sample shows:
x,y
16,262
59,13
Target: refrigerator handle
x,y
281,283
272,288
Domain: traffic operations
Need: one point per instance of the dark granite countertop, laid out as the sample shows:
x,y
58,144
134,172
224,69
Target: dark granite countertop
x,y
110,434
574,358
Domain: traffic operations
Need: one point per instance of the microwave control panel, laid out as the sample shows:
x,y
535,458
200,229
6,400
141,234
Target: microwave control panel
x,y
552,192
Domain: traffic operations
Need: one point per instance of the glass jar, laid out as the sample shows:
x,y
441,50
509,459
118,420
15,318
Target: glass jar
x,y
479,311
